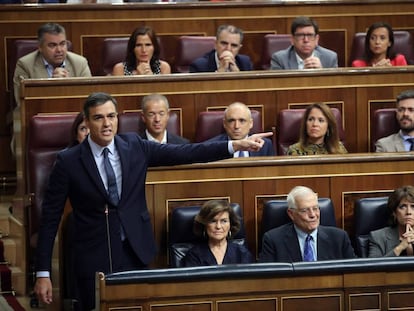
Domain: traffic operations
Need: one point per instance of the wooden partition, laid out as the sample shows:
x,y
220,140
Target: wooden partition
x,y
346,285
356,93
88,25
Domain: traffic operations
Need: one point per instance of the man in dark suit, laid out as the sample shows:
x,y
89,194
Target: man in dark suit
x,y
304,239
104,179
155,115
225,57
237,123
304,53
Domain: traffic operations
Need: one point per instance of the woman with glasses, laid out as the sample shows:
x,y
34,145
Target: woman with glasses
x,y
216,224
398,238
378,48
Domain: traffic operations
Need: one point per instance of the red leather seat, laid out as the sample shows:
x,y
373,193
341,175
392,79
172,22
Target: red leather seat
x,y
271,44
114,51
403,44
48,134
383,123
132,122
210,124
288,127
190,48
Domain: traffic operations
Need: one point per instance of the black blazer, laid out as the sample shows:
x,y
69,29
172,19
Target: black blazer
x,y
281,244
207,63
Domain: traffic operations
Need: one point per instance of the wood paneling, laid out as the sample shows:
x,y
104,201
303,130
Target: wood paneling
x,y
87,25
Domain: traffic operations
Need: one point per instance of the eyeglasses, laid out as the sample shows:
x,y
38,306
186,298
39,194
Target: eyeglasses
x,y
232,45
302,36
307,210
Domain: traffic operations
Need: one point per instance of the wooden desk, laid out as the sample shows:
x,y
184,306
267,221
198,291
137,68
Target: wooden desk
x,y
385,284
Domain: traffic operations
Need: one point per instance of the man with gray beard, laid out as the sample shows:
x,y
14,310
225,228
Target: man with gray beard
x,y
403,140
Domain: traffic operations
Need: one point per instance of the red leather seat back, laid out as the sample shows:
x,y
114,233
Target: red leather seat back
x,y
403,44
271,44
132,122
383,123
210,124
288,127
114,51
190,48
48,134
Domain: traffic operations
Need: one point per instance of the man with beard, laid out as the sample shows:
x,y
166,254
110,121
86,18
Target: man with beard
x,y
403,140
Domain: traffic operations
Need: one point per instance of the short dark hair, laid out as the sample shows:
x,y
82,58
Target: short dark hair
x,y
50,28
368,53
303,21
211,209
74,129
405,95
404,192
97,99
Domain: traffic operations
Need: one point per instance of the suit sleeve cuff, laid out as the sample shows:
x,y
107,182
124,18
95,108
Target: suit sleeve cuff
x,y
230,147
43,274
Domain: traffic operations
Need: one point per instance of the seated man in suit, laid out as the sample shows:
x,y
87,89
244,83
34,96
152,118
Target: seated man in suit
x,y
225,56
51,60
404,139
155,115
304,53
304,239
237,122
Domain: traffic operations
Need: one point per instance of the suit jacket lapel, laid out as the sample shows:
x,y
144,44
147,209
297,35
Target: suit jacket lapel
x,y
88,161
293,62
292,244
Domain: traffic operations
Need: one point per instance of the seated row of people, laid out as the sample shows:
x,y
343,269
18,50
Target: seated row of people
x,y
143,53
318,133
303,239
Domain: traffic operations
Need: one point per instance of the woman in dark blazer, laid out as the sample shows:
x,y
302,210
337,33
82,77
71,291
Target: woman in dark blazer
x,y
217,223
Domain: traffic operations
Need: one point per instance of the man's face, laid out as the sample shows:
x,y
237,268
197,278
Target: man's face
x,y
405,115
228,42
237,122
102,123
54,48
156,117
306,216
305,41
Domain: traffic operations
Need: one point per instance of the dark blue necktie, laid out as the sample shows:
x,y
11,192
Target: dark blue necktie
x,y
411,141
308,250
110,175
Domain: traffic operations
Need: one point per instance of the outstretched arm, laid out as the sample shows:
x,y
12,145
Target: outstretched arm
x,y
253,143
